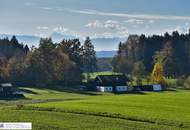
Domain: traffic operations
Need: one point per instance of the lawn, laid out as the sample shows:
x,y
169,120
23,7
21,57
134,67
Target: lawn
x,y
67,121
96,111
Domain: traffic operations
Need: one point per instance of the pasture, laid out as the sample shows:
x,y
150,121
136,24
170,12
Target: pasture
x,y
60,110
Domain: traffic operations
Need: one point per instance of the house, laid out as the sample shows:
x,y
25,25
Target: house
x,y
8,91
111,83
154,87
157,87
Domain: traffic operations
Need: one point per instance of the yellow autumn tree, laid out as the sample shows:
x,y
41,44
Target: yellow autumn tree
x,y
158,74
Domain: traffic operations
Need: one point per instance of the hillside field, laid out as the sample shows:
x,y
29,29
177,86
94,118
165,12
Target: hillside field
x,y
61,110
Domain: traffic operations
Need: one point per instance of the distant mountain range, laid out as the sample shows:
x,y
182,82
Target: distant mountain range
x,y
106,54
107,45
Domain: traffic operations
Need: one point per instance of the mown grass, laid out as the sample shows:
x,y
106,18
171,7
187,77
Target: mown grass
x,y
166,107
52,94
43,120
33,95
65,110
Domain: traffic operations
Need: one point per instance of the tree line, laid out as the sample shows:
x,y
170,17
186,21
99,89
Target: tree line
x,y
66,61
139,54
50,63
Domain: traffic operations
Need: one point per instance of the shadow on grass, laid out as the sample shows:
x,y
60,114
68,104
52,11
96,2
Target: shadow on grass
x,y
70,89
131,93
76,90
28,91
12,98
171,89
168,90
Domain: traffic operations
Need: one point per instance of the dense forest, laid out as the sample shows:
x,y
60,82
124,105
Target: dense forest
x,y
12,48
50,63
140,53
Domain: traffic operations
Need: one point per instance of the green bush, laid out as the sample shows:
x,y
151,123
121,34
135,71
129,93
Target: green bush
x,y
180,81
187,83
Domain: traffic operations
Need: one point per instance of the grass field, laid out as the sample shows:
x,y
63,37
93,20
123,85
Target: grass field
x,y
59,110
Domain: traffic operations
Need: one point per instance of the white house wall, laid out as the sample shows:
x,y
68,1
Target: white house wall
x,y
105,89
157,87
121,88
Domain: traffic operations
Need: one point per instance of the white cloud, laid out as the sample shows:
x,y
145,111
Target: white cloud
x,y
112,22
109,24
180,28
45,8
95,24
139,21
134,21
66,31
60,29
42,28
128,15
151,21
116,29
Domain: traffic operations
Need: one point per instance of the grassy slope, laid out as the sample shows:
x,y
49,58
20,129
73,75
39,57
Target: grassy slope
x,y
175,105
68,121
166,110
42,95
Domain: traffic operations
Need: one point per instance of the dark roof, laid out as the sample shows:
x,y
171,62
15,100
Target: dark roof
x,y
111,80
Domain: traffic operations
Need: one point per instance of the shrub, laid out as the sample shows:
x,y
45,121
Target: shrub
x,y
181,81
19,106
187,83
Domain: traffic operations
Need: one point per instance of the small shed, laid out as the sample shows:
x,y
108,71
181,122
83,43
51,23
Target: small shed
x,y
7,90
154,87
111,83
157,87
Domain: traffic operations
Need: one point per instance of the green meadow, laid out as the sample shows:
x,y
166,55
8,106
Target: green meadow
x,y
63,110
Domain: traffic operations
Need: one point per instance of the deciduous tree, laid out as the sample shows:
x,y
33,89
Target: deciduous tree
x,y
158,74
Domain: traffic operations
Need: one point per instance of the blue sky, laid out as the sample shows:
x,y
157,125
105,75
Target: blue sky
x,y
95,18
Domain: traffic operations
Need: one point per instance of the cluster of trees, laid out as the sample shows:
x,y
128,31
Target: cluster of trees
x,y
139,54
50,63
104,64
10,50
64,62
